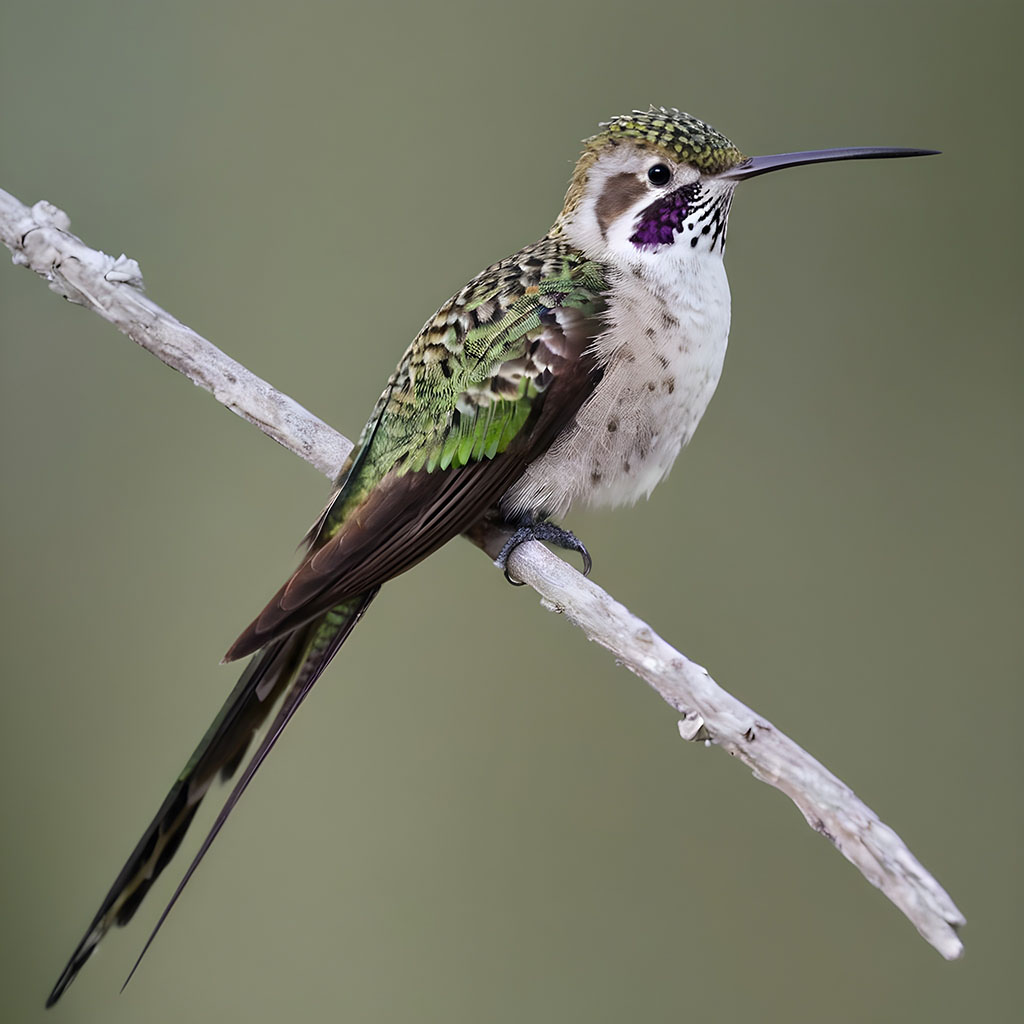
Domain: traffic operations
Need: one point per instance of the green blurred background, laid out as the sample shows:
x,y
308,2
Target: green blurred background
x,y
478,817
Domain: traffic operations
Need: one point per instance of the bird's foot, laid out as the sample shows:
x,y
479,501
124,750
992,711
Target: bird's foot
x,y
533,530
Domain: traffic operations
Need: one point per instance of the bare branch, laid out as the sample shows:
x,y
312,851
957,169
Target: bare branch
x,y
39,239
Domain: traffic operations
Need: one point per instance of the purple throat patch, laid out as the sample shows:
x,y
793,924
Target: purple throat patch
x,y
664,218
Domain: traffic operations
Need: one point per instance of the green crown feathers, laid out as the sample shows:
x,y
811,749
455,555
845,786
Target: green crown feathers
x,y
681,137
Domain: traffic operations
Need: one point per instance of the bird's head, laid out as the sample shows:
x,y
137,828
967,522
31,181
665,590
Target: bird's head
x,y
659,182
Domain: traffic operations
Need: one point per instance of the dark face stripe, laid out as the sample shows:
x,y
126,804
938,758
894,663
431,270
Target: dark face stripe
x,y
620,192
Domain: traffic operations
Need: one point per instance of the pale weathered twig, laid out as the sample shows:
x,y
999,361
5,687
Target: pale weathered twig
x,y
39,239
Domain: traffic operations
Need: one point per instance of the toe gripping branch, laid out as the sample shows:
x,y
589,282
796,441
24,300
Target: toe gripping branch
x,y
532,530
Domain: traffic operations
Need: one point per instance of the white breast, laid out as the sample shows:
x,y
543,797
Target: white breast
x,y
663,350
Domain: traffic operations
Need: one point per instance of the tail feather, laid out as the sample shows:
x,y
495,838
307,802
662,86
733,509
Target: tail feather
x,y
330,633
297,659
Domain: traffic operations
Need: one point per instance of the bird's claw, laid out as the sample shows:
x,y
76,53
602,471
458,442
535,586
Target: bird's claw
x,y
547,532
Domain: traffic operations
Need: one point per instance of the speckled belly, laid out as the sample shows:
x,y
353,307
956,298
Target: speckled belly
x,y
664,352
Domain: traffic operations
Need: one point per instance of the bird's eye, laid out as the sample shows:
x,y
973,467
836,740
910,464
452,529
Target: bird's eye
x,y
659,174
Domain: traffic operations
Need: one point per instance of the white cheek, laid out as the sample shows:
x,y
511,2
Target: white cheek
x,y
620,233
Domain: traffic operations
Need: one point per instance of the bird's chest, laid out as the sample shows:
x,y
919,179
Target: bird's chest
x,y
663,351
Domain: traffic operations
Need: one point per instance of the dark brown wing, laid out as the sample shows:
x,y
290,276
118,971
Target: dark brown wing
x,y
408,514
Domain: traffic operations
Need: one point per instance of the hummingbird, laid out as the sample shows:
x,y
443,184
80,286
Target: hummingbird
x,y
571,372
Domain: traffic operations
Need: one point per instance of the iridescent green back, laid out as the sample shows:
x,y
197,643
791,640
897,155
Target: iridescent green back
x,y
469,381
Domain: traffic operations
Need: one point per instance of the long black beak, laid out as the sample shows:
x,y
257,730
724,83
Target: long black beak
x,y
755,165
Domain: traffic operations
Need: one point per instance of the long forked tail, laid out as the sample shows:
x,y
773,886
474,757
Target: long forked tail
x,y
297,659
